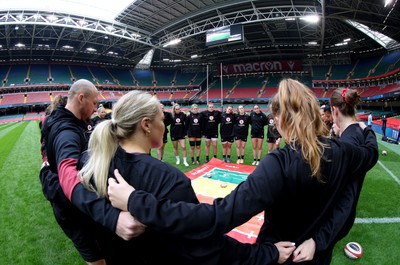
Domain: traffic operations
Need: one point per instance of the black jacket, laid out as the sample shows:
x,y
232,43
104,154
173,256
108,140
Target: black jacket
x,y
66,138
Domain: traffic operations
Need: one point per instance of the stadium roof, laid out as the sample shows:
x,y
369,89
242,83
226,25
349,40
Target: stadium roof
x,y
99,9
121,33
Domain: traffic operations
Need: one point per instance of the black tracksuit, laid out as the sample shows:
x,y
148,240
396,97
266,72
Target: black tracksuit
x,y
193,125
241,128
66,138
210,122
227,124
343,216
257,121
177,128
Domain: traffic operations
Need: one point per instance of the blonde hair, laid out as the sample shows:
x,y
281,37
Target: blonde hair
x,y
173,109
58,100
301,122
100,109
127,113
244,111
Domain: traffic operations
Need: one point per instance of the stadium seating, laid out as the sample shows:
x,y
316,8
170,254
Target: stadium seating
x,y
30,84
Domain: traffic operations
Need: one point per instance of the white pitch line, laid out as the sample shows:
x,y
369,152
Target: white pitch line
x,y
389,172
384,220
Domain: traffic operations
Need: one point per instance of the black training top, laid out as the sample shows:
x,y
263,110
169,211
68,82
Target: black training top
x,y
257,122
210,122
193,125
295,204
241,127
177,128
167,182
343,216
227,124
66,138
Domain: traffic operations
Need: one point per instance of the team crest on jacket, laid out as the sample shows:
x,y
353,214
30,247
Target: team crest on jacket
x,y
228,119
241,121
89,127
195,120
211,117
178,120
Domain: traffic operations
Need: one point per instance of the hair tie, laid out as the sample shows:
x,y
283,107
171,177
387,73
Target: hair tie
x,y
344,91
113,125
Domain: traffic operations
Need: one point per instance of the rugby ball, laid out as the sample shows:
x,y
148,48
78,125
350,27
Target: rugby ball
x,y
353,250
384,152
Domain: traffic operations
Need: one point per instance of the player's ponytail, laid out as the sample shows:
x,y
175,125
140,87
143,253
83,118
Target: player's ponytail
x,y
102,147
346,100
299,120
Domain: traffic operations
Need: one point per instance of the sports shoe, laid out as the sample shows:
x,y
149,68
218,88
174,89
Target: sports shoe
x,y
193,162
254,163
206,160
198,162
186,164
224,159
238,161
228,160
178,162
258,162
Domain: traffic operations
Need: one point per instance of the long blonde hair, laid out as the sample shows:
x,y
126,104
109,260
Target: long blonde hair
x,y
300,120
127,113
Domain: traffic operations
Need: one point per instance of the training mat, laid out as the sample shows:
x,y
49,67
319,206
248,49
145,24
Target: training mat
x,y
216,179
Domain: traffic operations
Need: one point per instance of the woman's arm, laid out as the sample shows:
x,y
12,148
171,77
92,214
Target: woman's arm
x,y
342,217
198,221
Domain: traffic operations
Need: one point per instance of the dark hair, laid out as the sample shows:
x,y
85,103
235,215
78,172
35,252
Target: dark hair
x,y
327,108
345,99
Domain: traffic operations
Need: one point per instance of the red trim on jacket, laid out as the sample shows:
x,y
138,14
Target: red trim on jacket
x,y
68,175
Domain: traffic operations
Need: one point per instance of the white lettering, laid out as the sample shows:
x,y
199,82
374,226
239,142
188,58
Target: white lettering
x,y
258,67
238,68
291,65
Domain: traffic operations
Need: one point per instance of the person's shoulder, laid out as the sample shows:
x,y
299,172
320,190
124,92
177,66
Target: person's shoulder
x,y
164,169
285,158
353,128
146,158
353,134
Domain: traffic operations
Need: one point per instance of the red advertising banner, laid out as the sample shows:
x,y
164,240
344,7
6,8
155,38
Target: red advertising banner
x,y
261,66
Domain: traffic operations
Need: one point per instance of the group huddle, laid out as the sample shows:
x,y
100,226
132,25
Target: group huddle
x,y
120,205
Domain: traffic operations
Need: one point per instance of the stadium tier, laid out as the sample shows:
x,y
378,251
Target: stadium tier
x,y
30,84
